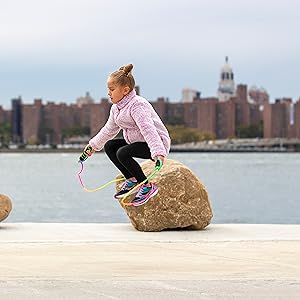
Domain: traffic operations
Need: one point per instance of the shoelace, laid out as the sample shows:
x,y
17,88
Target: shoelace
x,y
142,191
128,184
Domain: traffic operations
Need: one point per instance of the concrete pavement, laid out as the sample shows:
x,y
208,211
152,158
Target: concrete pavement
x,y
114,261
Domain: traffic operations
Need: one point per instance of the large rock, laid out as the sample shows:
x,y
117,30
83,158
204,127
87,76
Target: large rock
x,y
5,207
182,200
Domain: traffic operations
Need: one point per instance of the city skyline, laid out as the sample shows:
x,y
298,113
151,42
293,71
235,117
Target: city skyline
x,y
51,123
58,51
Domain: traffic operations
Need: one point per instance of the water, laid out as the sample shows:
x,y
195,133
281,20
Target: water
x,y
243,188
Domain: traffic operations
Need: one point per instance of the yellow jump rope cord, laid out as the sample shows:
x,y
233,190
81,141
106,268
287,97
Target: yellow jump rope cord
x,y
137,186
157,168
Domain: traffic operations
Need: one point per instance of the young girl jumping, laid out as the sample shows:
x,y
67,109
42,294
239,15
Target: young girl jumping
x,y
145,135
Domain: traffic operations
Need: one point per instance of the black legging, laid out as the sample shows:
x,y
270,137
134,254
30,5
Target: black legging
x,y
121,154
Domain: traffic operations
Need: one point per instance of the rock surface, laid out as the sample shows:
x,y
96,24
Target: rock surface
x,y
182,200
5,207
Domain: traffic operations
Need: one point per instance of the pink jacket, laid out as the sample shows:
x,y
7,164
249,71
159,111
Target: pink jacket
x,y
140,123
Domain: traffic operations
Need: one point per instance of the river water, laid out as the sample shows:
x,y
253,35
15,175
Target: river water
x,y
242,187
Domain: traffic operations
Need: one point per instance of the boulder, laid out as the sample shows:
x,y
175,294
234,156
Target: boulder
x,y
182,200
5,207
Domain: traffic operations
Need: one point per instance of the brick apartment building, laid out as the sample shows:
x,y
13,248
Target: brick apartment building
x,y
220,118
297,119
5,115
47,123
99,114
277,119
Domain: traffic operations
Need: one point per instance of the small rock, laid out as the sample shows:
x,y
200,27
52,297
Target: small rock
x,y
182,200
5,207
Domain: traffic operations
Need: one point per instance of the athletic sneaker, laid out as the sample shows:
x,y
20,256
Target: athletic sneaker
x,y
146,191
127,186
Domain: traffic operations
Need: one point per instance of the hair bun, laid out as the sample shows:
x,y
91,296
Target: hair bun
x,y
123,76
126,69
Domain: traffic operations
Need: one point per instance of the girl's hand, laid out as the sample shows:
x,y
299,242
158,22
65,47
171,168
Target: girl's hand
x,y
161,158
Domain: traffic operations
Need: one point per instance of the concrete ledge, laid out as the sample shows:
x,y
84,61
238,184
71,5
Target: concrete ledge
x,y
114,261
91,232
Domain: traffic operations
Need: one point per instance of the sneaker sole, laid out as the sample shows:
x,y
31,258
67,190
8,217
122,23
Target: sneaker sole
x,y
141,203
121,196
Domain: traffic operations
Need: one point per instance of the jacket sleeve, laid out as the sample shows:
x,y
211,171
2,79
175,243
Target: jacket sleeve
x,y
107,132
142,115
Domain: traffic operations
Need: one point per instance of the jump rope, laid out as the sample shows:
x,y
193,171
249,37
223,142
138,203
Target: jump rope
x,y
88,151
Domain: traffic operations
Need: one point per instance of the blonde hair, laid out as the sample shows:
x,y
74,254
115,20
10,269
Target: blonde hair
x,y
123,76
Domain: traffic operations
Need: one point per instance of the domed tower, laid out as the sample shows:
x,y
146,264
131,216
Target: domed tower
x,y
85,100
226,84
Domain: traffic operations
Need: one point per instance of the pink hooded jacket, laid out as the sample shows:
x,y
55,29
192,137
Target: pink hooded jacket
x,y
140,123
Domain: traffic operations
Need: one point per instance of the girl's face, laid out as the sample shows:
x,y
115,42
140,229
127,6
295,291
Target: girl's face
x,y
116,92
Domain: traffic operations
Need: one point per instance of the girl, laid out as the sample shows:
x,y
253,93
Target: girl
x,y
145,136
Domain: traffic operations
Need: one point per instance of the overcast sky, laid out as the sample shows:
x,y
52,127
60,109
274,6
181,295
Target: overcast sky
x,y
59,49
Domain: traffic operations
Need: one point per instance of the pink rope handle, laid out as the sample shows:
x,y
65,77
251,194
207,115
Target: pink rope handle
x,y
78,174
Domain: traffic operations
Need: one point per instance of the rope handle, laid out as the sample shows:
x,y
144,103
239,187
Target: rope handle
x,y
87,152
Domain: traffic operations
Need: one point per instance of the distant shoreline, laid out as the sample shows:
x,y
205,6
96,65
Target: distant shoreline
x,y
276,145
187,150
